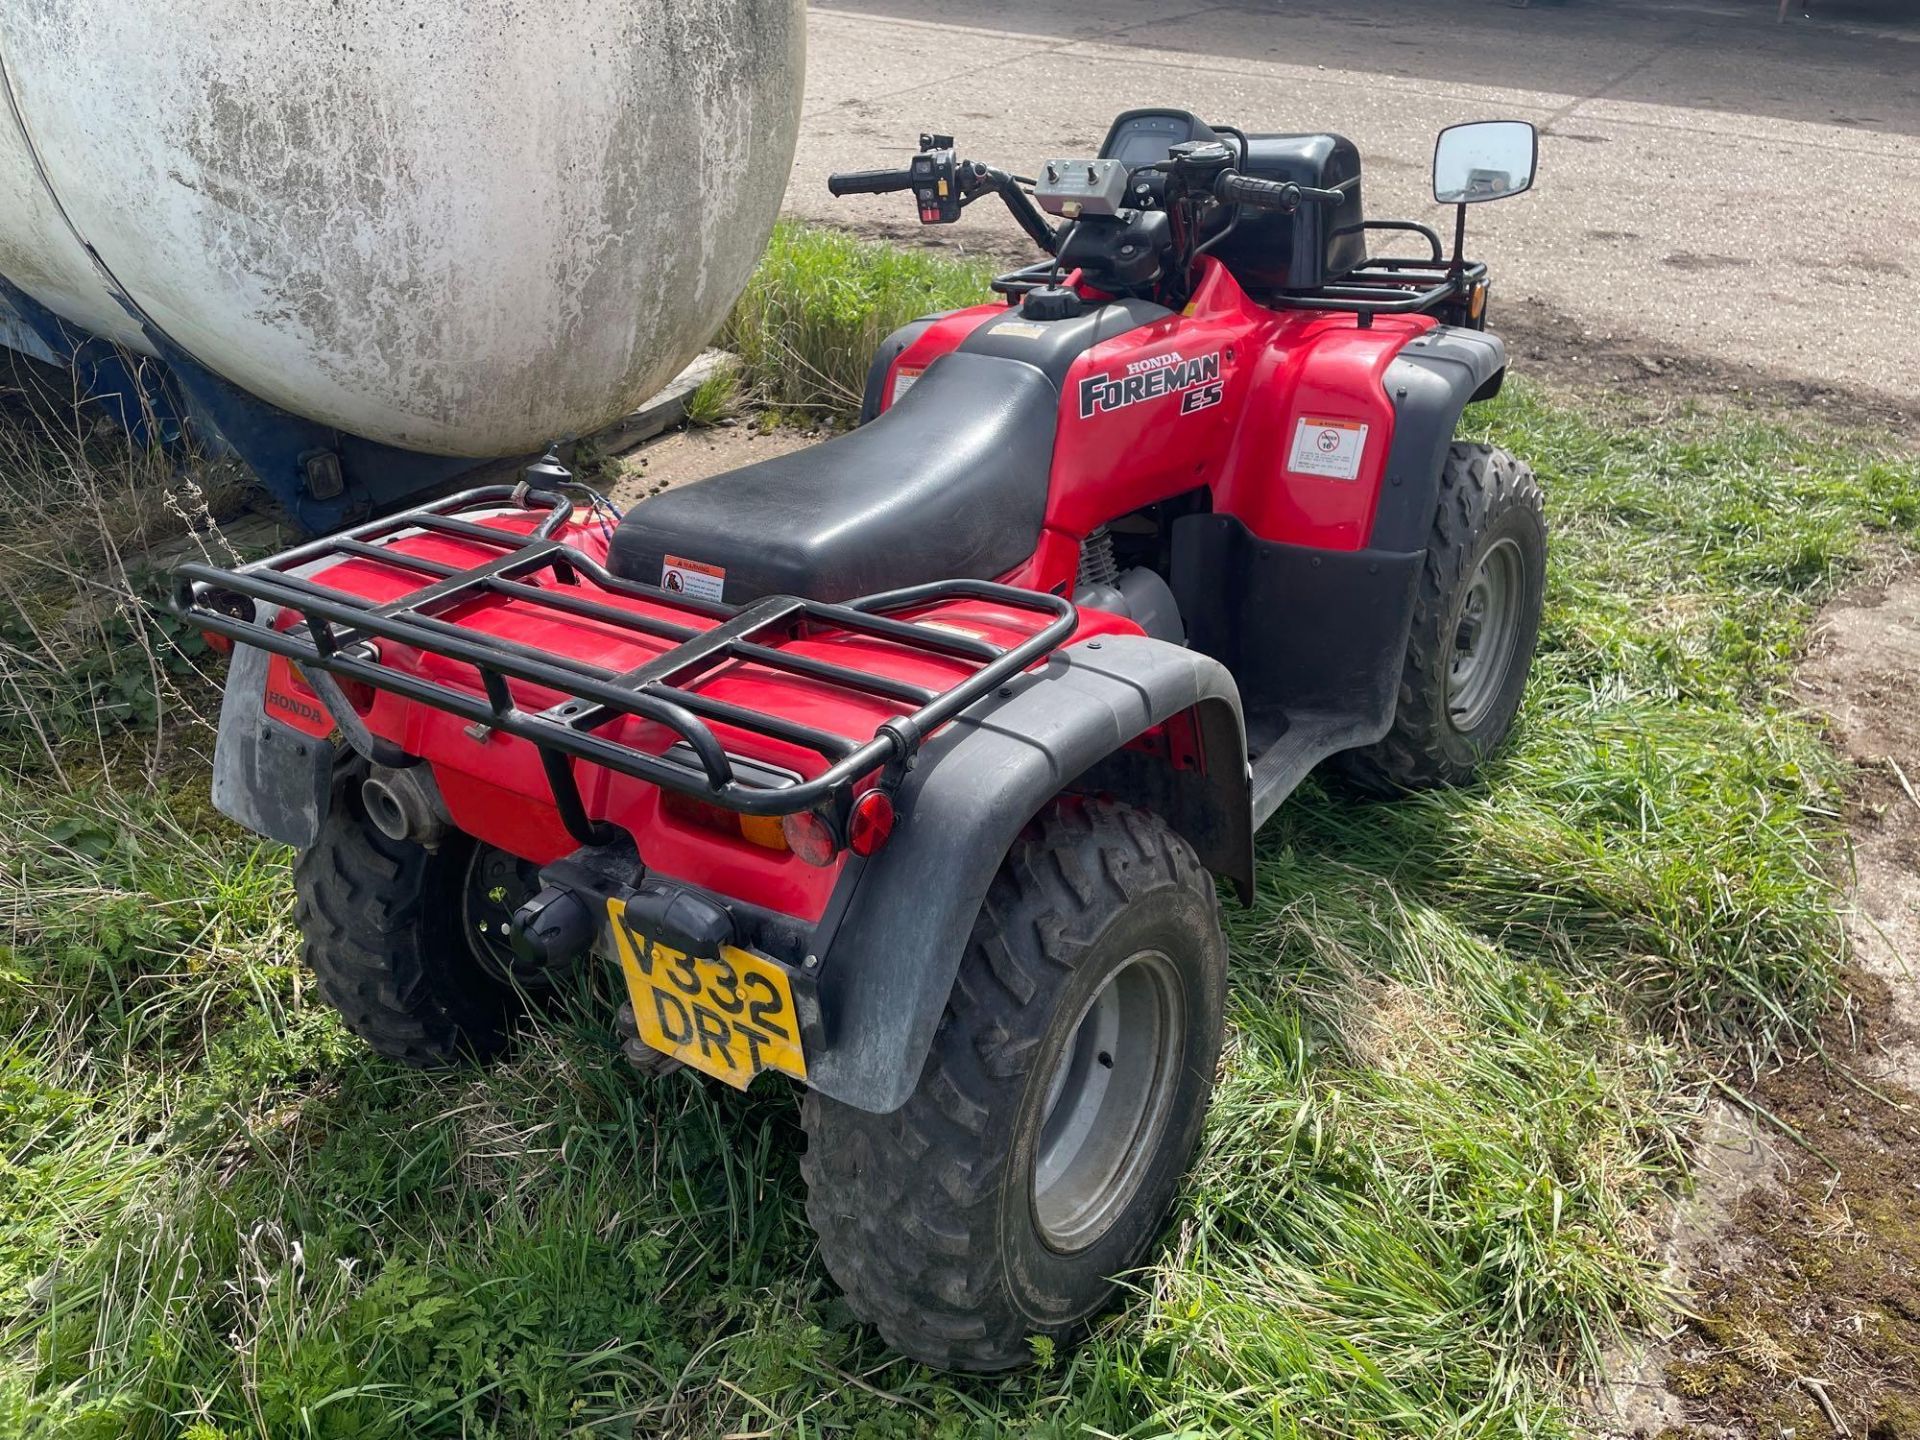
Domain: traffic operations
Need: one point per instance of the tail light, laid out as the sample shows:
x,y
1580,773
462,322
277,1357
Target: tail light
x,y
810,834
762,830
810,837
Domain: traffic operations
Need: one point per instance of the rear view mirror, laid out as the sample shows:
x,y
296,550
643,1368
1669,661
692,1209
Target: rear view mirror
x,y
1484,160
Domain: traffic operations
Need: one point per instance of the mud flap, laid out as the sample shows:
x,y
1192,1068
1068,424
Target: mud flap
x,y
271,778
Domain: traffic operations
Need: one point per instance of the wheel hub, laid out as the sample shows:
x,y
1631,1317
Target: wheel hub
x,y
497,885
1107,1101
1486,635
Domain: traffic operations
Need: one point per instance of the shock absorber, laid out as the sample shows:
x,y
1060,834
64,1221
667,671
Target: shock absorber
x,y
1097,565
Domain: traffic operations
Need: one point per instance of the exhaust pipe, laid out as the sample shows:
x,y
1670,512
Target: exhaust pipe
x,y
406,805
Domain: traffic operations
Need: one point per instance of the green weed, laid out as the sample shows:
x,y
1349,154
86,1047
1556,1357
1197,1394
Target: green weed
x,y
715,398
819,306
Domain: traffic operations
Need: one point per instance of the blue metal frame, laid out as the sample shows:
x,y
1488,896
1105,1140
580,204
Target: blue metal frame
x,y
131,389
167,398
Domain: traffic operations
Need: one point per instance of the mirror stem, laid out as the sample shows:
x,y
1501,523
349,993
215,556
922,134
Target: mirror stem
x,y
1459,241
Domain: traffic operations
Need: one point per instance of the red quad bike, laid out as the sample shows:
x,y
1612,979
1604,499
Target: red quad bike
x,y
905,765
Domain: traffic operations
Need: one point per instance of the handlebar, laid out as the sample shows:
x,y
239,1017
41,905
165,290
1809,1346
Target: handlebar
x,y
1233,188
944,185
869,182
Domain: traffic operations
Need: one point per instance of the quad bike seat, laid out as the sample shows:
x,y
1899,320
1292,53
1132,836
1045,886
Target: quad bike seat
x,y
948,483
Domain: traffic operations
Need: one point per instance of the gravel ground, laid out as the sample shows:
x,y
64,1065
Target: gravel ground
x,y
1731,199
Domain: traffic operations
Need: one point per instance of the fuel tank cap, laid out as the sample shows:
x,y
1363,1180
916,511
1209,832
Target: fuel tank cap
x,y
1052,302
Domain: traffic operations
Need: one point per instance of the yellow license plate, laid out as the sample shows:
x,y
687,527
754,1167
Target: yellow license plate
x,y
730,1016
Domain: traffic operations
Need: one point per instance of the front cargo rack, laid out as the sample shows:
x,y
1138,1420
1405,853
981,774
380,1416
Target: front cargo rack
x,y
1392,285
1388,286
336,629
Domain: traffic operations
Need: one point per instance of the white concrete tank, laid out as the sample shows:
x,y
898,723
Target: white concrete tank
x,y
463,229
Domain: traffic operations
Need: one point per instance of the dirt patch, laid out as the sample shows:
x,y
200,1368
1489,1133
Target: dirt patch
x,y
1801,1279
1734,1155
1810,1325
1549,344
1863,672
681,456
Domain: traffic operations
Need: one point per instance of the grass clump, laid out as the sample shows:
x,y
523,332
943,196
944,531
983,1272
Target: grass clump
x,y
1471,1030
86,652
1428,1171
819,306
715,398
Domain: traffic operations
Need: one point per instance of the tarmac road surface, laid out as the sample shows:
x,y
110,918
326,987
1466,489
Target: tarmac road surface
x,y
1712,184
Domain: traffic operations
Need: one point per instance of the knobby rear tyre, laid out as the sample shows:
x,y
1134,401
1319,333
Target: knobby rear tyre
x,y
982,1213
381,921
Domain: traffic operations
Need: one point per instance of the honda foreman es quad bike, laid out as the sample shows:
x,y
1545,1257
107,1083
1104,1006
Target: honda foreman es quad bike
x,y
905,765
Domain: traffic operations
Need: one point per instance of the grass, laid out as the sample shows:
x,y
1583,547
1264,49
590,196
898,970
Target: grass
x,y
819,306
715,398
1470,1033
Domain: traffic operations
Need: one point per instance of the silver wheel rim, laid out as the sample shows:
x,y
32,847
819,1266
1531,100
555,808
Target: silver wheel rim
x,y
1108,1100
1485,635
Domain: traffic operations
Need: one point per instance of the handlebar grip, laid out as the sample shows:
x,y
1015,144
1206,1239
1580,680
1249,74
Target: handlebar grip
x,y
869,182
1237,189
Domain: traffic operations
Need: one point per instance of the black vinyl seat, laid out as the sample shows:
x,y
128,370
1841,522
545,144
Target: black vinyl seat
x,y
948,483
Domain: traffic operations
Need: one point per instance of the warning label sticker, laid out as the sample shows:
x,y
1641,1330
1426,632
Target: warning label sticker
x,y
1328,447
691,577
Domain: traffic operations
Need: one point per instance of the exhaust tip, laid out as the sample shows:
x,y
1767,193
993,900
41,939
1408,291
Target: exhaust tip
x,y
384,809
406,805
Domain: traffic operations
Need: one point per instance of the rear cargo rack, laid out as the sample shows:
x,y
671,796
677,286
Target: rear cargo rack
x,y
337,630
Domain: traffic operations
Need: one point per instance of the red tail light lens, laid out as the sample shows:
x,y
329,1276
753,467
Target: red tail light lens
x,y
762,830
872,822
810,837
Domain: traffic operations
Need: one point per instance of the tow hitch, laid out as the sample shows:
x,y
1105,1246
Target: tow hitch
x,y
553,929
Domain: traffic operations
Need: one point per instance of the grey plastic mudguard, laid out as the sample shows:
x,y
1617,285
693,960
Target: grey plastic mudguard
x,y
1430,382
890,963
269,777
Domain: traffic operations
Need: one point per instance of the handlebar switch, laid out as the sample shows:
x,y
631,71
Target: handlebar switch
x,y
1078,189
936,180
